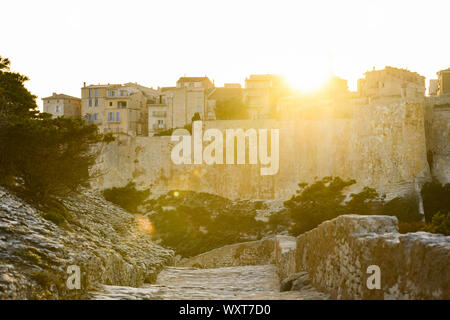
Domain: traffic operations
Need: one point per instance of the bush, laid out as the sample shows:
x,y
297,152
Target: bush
x,y
128,197
440,224
191,223
405,209
316,203
436,198
231,109
55,217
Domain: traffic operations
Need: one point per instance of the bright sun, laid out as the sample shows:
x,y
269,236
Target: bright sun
x,y
308,76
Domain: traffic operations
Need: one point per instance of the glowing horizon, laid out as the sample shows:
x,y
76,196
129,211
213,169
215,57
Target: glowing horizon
x,y
60,45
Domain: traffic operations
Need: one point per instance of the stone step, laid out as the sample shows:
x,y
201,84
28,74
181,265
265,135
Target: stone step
x,y
230,283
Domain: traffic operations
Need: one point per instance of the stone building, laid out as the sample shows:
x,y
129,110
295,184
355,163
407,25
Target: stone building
x,y
262,92
118,108
59,105
444,81
392,83
158,115
434,87
187,98
332,100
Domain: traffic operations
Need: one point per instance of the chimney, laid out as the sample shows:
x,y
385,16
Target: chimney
x,y
54,94
84,84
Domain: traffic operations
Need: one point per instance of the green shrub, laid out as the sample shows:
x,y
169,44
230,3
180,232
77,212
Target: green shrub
x,y
436,198
42,158
128,197
191,223
440,224
406,209
313,204
55,217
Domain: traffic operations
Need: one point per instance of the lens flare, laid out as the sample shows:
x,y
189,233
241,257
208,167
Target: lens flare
x,y
144,225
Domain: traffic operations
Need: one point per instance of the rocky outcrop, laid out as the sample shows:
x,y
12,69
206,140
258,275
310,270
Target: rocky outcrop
x,y
108,244
337,255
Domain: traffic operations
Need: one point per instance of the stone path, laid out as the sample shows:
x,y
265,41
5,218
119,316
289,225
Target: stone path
x,y
231,283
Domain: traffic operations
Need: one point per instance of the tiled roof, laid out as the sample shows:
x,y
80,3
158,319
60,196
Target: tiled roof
x,y
60,96
192,79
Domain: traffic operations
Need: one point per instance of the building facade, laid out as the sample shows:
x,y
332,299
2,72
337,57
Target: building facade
x,y
118,108
158,115
261,94
392,82
444,81
186,99
59,105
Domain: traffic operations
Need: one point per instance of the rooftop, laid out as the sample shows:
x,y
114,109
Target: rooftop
x,y
60,96
193,79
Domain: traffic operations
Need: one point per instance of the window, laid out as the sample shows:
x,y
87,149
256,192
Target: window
x,y
96,92
113,93
122,93
121,104
90,102
95,116
90,92
199,95
110,103
108,93
111,117
58,109
197,84
96,102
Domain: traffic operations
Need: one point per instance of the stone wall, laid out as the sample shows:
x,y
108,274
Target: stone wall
x,y
337,253
380,145
258,252
438,136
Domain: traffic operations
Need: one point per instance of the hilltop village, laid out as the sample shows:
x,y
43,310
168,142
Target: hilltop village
x,y
135,110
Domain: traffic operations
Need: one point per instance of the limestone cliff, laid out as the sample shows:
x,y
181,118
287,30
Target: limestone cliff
x,y
381,145
103,240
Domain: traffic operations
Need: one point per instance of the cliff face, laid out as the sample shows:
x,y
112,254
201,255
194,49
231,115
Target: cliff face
x,y
109,245
438,137
381,145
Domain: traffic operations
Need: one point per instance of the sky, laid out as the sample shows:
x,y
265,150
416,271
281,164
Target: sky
x,y
61,44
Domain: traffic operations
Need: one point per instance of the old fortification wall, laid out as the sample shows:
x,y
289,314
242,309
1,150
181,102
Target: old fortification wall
x,y
337,253
438,136
412,266
380,145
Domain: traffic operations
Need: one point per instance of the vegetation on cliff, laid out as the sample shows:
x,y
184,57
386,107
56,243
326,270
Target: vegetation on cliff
x,y
325,199
191,223
41,158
